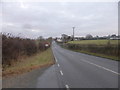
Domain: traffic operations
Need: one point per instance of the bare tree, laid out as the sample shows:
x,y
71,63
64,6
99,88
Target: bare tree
x,y
89,36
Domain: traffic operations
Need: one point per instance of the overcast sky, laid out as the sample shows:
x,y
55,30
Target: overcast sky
x,y
33,19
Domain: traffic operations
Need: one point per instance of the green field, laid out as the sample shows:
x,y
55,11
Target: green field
x,y
96,42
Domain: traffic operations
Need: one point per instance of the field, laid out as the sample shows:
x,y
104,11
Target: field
x,y
103,48
96,42
39,60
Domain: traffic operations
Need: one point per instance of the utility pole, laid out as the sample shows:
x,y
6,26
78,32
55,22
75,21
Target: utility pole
x,y
73,32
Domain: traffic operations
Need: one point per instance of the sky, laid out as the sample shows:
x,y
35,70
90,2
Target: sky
x,y
51,19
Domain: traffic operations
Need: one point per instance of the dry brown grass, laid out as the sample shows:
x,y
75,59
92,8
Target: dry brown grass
x,y
39,60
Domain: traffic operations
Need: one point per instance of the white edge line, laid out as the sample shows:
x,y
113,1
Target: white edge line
x,y
61,72
56,59
102,67
54,56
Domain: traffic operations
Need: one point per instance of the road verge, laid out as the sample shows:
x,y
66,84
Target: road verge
x,y
39,60
101,48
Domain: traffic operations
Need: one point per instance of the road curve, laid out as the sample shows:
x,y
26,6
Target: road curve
x,y
77,70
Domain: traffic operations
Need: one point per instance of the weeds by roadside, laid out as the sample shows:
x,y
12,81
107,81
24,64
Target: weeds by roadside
x,y
38,60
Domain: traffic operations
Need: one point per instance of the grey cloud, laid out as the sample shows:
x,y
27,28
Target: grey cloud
x,y
53,19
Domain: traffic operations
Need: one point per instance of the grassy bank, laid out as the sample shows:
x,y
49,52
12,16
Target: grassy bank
x,y
103,48
98,54
39,60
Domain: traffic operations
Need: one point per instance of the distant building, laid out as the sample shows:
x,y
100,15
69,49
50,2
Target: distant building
x,y
59,40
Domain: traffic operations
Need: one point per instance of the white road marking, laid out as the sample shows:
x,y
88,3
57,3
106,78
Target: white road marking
x,y
102,67
67,86
56,59
61,72
58,65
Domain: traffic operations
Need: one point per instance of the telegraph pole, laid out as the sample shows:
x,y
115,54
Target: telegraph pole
x,y
73,32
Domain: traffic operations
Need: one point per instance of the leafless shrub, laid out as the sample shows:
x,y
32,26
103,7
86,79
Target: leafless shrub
x,y
105,49
15,47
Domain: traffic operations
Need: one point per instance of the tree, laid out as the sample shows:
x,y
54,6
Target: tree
x,y
40,38
88,36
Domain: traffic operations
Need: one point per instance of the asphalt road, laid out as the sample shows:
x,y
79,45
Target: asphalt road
x,y
77,70
72,70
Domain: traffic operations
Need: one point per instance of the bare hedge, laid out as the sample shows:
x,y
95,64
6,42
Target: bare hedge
x,y
15,47
101,49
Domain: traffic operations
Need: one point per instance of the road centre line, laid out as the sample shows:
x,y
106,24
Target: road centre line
x,y
61,72
67,87
101,67
58,65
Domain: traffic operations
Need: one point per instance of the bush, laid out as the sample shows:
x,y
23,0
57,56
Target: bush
x,y
14,47
101,49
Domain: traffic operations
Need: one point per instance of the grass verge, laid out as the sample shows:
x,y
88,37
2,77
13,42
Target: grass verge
x,y
100,55
39,60
102,48
95,54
